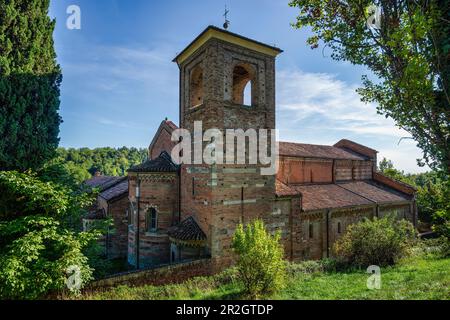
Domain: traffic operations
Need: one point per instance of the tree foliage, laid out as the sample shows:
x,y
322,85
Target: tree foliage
x,y
409,54
39,235
260,259
433,195
378,242
29,85
83,163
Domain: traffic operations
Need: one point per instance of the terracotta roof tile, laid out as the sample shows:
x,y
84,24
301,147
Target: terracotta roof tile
x,y
188,230
163,163
317,151
283,190
118,190
328,196
103,182
375,192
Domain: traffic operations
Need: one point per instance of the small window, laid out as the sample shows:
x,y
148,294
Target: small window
x,y
311,231
152,220
339,228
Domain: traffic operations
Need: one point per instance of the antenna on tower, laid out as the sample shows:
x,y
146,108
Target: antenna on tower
x,y
227,22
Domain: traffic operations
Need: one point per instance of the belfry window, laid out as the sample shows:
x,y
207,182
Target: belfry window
x,y
196,87
152,220
243,85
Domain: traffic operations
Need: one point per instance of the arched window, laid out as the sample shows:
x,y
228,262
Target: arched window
x,y
243,84
196,87
152,220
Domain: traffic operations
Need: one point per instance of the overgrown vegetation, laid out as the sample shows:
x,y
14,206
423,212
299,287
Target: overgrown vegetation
x,y
39,236
380,242
433,195
259,259
424,275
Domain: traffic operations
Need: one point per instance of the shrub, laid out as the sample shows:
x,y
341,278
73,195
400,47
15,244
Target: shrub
x,y
305,267
375,242
260,259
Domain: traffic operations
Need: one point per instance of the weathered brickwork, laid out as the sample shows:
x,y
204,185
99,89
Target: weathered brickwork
x,y
158,191
191,211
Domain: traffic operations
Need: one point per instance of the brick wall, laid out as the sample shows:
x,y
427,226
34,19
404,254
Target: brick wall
x,y
176,273
158,191
117,239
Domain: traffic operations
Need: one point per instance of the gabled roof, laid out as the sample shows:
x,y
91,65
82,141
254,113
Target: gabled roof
x,y
302,150
167,125
187,231
221,34
118,190
163,163
103,182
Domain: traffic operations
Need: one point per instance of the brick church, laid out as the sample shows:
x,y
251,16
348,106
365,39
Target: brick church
x,y
166,213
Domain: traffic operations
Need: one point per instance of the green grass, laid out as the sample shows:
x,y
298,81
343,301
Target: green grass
x,y
413,278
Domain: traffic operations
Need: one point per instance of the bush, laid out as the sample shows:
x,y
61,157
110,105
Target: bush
x,y
260,259
305,267
378,242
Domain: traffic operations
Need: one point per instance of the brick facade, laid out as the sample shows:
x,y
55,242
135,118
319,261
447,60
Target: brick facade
x,y
317,193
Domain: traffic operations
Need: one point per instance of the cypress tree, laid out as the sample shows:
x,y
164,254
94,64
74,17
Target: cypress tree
x,y
29,85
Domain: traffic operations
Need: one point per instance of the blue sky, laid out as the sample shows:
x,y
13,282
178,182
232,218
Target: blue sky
x,y
120,81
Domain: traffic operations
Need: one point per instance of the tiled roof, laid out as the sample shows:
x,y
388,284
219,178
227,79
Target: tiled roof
x,y
329,196
283,190
118,190
188,230
347,194
375,192
103,182
163,163
317,151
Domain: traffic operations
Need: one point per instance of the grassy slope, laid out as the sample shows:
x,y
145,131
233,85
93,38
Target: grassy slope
x,y
416,278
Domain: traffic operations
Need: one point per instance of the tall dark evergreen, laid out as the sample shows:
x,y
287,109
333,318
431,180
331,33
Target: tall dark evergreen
x,y
29,85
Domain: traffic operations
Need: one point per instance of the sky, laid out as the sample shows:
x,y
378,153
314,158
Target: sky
x,y
120,81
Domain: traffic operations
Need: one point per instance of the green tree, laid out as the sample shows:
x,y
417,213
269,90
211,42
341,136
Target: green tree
x,y
39,234
433,195
29,85
408,53
260,259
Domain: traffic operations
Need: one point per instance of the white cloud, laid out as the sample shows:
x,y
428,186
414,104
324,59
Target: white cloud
x,y
325,109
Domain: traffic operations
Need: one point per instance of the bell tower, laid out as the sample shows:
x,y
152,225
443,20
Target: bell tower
x,y
227,81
